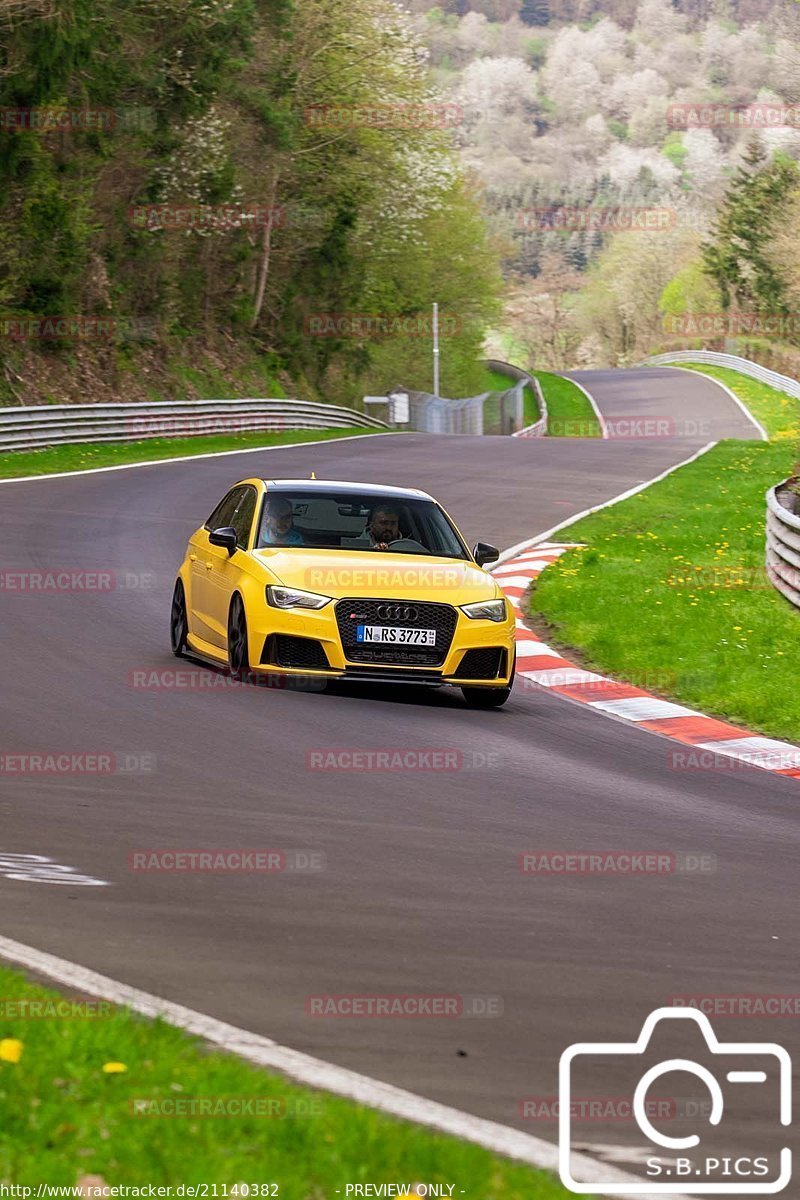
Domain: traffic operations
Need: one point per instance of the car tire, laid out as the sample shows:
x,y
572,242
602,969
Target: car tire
x,y
477,697
238,652
178,621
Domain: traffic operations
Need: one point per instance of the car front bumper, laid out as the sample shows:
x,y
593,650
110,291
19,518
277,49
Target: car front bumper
x,y
320,626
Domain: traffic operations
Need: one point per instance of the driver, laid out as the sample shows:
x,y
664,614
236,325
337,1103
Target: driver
x,y
383,527
278,528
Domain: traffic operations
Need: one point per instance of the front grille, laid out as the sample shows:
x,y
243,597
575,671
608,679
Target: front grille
x,y
485,663
424,615
283,650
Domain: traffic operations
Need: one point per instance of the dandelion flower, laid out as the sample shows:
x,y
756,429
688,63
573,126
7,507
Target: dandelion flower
x,y
10,1050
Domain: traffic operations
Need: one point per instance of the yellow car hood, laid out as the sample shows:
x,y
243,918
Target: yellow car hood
x,y
340,573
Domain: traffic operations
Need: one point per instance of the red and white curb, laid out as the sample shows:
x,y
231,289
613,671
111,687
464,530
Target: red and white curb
x,y
540,664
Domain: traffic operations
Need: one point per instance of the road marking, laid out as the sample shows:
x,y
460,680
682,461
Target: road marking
x,y
600,418
763,752
313,1072
159,462
740,403
644,708
37,868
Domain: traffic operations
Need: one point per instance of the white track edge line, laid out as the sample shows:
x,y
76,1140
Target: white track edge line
x,y
587,512
313,1072
600,418
159,462
740,403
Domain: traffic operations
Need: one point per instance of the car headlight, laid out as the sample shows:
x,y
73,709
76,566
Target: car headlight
x,y
486,610
283,597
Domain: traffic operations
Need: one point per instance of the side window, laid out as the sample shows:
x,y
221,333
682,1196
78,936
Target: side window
x,y
242,518
223,513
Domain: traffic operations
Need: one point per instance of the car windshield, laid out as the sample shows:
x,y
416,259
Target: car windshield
x,y
354,521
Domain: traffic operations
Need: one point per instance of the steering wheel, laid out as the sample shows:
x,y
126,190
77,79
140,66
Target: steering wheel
x,y
405,543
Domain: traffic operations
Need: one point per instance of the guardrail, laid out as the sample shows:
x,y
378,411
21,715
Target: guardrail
x,y
538,428
66,424
782,383
783,544
436,414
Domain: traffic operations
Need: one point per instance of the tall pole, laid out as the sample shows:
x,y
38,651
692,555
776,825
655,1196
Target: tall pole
x,y
435,348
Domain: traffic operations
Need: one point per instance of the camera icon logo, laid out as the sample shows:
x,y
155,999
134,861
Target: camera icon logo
x,y
681,1165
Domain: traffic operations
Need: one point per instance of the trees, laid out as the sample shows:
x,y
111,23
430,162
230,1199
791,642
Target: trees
x,y
738,255
319,117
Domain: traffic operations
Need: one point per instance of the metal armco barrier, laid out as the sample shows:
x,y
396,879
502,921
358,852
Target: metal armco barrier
x,y
64,424
538,428
783,544
435,414
782,383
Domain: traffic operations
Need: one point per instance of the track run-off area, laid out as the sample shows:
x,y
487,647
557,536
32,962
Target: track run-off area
x,y
413,885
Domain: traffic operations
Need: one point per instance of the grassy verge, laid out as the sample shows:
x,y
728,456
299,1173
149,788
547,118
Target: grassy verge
x,y
687,557
97,454
777,412
63,1115
569,412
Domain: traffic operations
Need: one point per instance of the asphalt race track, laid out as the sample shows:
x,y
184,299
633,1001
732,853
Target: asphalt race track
x,y
421,891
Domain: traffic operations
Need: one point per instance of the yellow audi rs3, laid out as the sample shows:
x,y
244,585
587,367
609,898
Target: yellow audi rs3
x,y
344,581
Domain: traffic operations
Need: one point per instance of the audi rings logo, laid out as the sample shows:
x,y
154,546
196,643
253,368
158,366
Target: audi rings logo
x,y
398,612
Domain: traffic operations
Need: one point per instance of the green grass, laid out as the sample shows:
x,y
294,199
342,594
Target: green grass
x,y
569,412
62,1117
728,643
777,412
97,454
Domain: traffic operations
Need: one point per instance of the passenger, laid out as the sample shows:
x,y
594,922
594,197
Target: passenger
x,y
278,527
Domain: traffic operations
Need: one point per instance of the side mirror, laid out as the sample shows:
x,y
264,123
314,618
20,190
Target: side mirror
x,y
225,537
483,553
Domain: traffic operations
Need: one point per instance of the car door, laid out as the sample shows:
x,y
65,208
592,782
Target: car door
x,y
225,571
203,559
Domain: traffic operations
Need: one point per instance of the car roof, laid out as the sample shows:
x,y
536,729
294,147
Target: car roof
x,y
330,487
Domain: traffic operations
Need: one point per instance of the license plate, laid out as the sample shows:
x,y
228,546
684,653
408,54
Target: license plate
x,y
396,635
